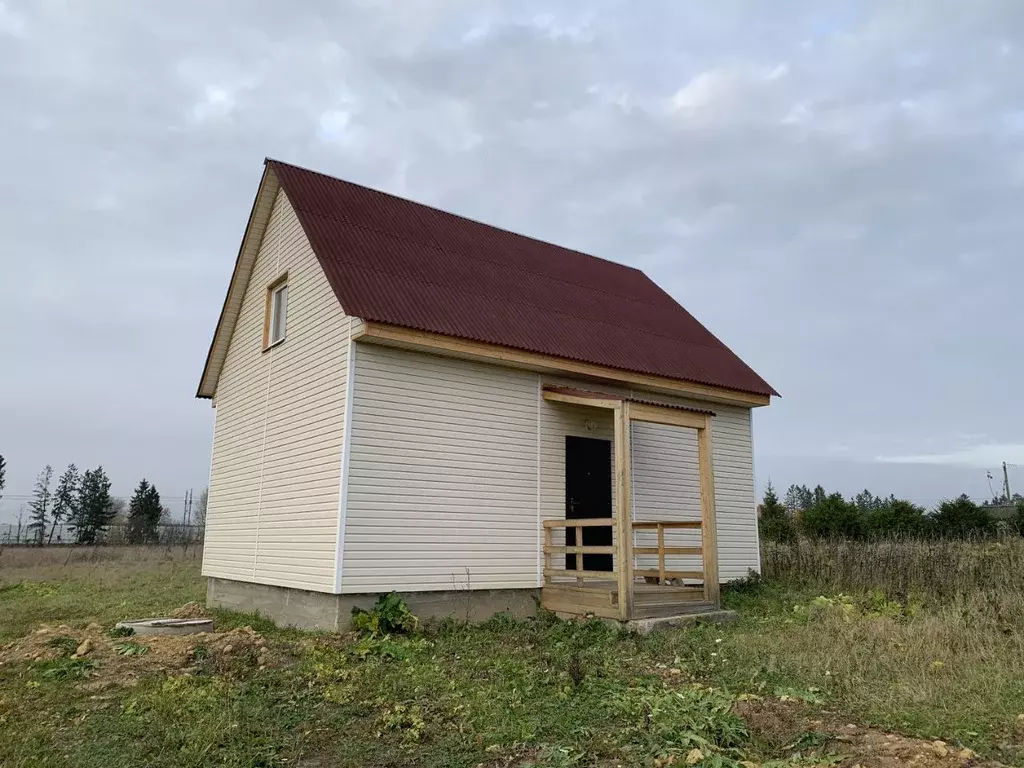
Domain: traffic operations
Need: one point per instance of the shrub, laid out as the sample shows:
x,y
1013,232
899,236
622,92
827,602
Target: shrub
x,y
774,524
389,615
961,517
895,517
832,516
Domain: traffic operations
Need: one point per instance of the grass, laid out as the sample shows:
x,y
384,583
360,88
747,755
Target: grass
x,y
538,692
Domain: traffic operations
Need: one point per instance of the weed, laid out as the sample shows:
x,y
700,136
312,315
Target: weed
x,y
116,631
64,668
389,615
66,645
131,649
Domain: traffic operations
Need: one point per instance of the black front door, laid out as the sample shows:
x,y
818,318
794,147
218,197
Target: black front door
x,y
588,493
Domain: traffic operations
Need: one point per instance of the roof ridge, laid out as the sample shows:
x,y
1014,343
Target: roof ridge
x,y
547,243
397,236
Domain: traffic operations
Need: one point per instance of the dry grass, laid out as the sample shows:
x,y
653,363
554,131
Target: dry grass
x,y
26,562
932,569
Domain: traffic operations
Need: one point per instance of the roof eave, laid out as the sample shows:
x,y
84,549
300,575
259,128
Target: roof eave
x,y
256,226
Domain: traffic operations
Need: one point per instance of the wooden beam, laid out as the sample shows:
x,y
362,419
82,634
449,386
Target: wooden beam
x,y
709,530
589,402
579,574
556,550
583,522
656,573
638,524
663,550
660,414
623,513
436,343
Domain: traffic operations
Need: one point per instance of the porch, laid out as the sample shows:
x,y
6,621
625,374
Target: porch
x,y
652,568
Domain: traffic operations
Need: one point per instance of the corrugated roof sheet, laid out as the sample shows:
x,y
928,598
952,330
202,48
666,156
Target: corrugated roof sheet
x,y
586,393
394,261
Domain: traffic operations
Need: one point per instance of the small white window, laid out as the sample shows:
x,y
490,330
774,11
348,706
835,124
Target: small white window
x,y
277,312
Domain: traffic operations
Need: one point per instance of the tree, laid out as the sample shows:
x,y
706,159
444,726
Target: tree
x,y
199,514
866,501
832,516
144,511
798,497
961,517
65,499
39,507
773,523
95,508
895,517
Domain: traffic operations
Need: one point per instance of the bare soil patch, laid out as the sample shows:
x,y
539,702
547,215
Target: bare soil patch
x,y
792,727
103,660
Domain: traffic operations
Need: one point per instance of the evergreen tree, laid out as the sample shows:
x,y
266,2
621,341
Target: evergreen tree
x,y
832,517
961,517
65,499
773,523
95,508
895,517
144,512
798,497
39,507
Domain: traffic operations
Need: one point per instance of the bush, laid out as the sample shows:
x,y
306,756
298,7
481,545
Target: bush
x,y
961,517
773,523
895,517
389,615
832,516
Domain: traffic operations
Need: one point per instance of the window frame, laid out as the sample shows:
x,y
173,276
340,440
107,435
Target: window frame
x,y
269,316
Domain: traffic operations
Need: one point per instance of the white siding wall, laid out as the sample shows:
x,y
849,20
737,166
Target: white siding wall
x,y
276,467
442,486
666,485
453,463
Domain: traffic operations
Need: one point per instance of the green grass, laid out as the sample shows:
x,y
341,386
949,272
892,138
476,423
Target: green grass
x,y
538,692
104,592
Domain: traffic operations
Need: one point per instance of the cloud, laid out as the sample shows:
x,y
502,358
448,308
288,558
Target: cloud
x,y
217,103
12,23
834,191
984,456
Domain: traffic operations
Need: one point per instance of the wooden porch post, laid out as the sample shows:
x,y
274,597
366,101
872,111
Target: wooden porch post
x,y
623,513
709,528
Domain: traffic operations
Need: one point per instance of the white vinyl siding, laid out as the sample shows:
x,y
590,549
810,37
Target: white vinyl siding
x,y
666,485
276,466
454,463
442,475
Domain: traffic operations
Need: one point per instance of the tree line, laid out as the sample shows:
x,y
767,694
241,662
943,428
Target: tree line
x,y
819,514
82,502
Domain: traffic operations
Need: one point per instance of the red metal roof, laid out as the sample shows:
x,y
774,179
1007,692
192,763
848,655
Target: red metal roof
x,y
394,261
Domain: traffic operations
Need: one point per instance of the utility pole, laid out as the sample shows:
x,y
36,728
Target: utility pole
x,y
1006,483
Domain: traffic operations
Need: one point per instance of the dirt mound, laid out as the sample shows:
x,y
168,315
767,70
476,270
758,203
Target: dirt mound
x,y
189,611
788,727
103,660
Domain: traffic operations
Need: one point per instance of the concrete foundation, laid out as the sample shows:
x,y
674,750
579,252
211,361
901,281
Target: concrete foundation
x,y
320,610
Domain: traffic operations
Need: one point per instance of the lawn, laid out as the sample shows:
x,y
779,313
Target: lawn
x,y
787,683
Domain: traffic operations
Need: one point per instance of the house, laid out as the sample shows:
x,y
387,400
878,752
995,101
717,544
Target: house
x,y
409,400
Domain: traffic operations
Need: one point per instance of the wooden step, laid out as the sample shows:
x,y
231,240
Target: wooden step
x,y
670,609
666,595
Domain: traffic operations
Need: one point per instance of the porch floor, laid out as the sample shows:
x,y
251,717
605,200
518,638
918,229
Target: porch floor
x,y
601,598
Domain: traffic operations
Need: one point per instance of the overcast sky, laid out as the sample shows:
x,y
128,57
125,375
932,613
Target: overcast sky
x,y
836,189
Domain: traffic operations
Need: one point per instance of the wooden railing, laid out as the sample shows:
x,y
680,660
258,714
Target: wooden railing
x,y
578,549
661,573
